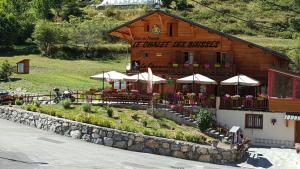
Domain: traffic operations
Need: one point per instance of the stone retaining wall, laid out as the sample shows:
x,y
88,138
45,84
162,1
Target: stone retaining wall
x,y
121,139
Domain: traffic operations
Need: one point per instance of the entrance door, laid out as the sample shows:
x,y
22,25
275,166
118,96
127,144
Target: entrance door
x,y
297,131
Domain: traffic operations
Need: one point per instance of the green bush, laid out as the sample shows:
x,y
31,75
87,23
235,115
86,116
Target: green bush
x,y
87,107
110,112
19,102
66,103
204,119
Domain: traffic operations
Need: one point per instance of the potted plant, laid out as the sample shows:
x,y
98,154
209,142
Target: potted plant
x,y
174,64
227,65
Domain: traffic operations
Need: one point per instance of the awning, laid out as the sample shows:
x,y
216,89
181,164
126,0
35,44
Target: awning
x,y
292,116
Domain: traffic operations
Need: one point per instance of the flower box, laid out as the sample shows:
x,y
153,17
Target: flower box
x,y
175,65
186,65
206,66
235,97
195,65
227,65
217,65
249,97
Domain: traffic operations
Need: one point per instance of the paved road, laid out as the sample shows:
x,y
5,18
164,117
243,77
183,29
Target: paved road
x,y
22,147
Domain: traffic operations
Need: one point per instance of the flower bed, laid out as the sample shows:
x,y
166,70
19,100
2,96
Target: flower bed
x,y
127,120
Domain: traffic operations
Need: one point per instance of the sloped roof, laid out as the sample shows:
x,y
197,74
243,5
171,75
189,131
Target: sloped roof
x,y
273,52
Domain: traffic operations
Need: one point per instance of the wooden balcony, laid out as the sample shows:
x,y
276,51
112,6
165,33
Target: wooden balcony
x,y
284,105
187,69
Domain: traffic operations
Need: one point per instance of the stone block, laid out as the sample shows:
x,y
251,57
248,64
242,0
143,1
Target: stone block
x,y
108,141
204,158
136,147
86,137
151,144
178,154
166,145
76,134
120,144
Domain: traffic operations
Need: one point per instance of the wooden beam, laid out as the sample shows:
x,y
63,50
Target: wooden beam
x,y
161,23
130,33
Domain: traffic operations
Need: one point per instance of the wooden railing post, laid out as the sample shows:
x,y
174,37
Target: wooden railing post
x,y
294,88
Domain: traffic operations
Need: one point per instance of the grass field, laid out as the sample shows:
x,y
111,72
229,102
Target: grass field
x,y
45,73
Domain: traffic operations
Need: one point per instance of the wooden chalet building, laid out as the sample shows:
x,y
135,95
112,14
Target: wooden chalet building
x,y
174,47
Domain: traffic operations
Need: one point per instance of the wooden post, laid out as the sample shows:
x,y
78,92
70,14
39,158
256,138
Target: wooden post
x,y
270,83
294,88
77,96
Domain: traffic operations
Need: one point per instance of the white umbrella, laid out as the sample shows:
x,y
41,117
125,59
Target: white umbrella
x,y
240,80
144,78
196,78
110,76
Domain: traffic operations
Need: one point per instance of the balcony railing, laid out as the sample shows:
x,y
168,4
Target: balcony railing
x,y
188,69
242,103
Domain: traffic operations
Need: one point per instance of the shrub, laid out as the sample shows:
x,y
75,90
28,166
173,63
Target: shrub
x,y
6,70
87,107
204,119
37,103
110,112
66,103
19,102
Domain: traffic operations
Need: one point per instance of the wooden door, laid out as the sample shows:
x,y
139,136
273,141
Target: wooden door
x,y
297,131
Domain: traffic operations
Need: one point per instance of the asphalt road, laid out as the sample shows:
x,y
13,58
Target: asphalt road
x,y
23,147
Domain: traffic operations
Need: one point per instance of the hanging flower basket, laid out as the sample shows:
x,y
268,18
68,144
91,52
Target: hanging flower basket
x,y
212,97
226,97
195,65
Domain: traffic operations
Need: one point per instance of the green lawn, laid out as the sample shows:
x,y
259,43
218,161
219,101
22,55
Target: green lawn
x,y
45,73
137,121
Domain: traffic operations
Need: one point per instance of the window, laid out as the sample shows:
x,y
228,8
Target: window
x,y
188,57
147,28
221,58
172,29
254,121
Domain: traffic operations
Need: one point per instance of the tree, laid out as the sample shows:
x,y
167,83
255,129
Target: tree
x,y
42,8
204,119
71,8
295,58
9,28
91,32
6,71
47,34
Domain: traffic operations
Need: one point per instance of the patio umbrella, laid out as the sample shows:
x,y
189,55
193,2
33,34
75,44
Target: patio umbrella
x,y
109,76
144,78
242,80
196,78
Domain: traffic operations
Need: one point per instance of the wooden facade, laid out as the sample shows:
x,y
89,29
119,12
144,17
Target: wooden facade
x,y
175,47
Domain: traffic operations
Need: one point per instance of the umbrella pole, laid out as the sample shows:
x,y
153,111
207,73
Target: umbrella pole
x,y
237,86
193,83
